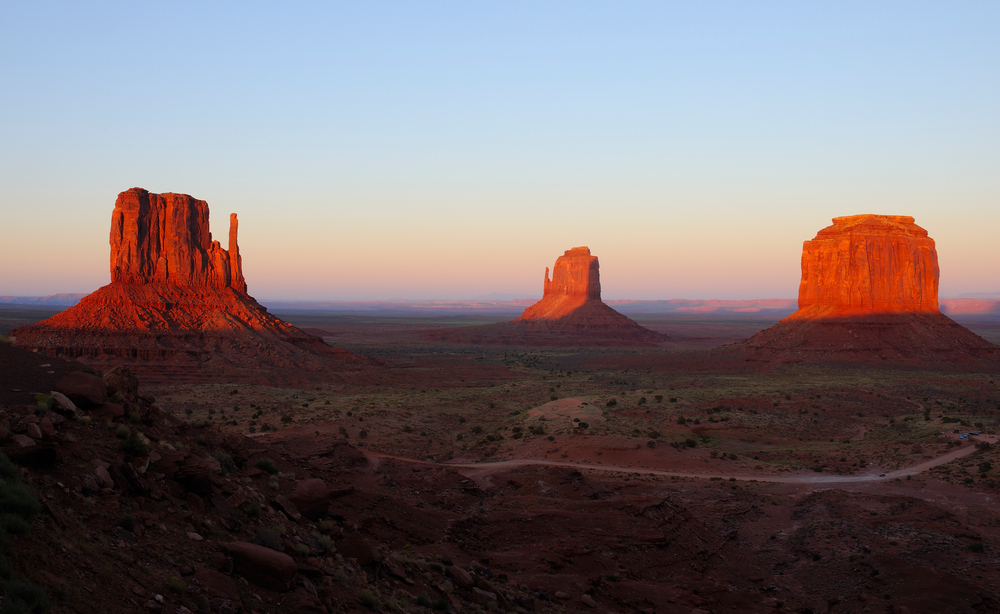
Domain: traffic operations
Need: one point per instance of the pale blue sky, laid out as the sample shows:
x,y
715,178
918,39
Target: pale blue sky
x,y
451,150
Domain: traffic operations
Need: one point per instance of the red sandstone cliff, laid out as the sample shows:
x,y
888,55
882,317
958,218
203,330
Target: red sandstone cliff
x,y
869,292
165,238
176,298
869,264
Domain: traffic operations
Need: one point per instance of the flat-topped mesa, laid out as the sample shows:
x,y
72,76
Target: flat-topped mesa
x,y
576,279
867,264
165,238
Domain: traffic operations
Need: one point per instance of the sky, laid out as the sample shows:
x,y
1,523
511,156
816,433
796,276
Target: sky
x,y
452,150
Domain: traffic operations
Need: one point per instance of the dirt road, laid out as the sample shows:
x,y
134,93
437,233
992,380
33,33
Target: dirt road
x,y
474,470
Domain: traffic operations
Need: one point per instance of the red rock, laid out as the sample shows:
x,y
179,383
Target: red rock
x,y
218,585
311,498
461,577
571,313
355,546
108,411
165,238
576,279
868,294
262,566
83,387
178,298
869,264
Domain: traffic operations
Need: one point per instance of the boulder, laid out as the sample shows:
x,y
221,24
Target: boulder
x,y
218,586
122,382
311,498
461,577
108,411
354,546
83,387
63,403
262,566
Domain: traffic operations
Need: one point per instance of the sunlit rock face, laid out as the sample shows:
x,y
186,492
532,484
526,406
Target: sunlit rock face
x,y
176,296
867,264
165,238
869,293
576,279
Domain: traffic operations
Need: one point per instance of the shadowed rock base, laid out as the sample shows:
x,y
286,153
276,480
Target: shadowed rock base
x,y
166,332
917,339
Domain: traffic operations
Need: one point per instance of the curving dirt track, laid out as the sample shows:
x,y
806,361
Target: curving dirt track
x,y
474,470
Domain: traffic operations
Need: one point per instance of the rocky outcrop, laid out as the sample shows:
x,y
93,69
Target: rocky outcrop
x,y
869,293
177,305
571,313
576,279
866,264
165,238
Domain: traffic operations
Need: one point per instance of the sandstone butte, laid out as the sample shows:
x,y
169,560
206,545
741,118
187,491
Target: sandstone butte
x,y
571,313
177,301
869,291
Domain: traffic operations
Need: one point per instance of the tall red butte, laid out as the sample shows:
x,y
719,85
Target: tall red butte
x,y
869,292
177,302
571,313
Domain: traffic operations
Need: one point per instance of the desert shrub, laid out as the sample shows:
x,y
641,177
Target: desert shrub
x,y
681,420
252,510
21,596
985,466
368,599
407,429
266,465
325,526
612,403
176,585
122,431
673,399
127,522
14,524
363,434
134,445
477,429
325,543
8,470
302,550
44,402
642,400
659,398
461,420
651,444
225,461
654,434
269,538
691,443
976,547
286,418
19,499
583,425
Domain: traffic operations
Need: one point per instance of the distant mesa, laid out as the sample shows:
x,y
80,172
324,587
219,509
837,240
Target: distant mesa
x,y
570,313
865,264
869,292
177,301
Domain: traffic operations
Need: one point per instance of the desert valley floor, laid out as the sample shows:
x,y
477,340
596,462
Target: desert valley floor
x,y
475,478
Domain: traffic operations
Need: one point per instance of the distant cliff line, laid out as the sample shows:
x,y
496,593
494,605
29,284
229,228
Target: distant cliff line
x,y
780,307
